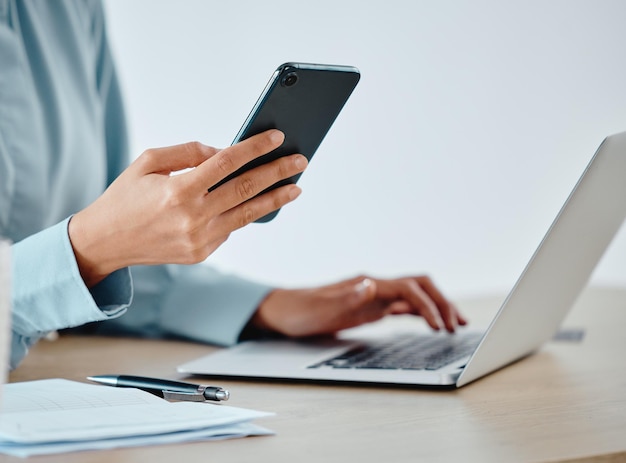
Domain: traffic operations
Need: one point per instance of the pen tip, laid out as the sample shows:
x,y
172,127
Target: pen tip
x,y
222,395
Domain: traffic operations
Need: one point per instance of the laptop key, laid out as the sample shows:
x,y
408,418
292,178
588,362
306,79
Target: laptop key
x,y
408,352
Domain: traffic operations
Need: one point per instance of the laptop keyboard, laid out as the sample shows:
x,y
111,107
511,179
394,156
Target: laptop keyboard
x,y
407,352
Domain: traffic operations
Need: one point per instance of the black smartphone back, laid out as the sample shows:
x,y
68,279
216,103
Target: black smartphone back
x,y
302,100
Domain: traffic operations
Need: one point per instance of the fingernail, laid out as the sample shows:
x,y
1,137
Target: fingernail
x,y
294,192
300,162
277,136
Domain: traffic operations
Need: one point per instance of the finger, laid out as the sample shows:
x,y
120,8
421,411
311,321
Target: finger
x,y
251,183
460,318
362,291
253,209
230,159
351,282
339,288
350,294
409,290
173,158
399,308
359,303
446,309
425,306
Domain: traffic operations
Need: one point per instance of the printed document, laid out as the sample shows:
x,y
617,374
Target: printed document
x,y
57,415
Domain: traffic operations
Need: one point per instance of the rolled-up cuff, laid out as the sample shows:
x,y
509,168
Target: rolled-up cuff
x,y
48,291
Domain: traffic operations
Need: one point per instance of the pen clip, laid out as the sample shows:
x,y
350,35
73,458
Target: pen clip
x,y
187,396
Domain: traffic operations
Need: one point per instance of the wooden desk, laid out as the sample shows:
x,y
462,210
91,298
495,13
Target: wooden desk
x,y
566,403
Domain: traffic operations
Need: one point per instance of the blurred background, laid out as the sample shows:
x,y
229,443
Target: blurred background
x,y
471,124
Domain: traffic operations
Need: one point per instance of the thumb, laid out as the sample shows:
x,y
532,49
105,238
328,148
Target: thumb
x,y
173,158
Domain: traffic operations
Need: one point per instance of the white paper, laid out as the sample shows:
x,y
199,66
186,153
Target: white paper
x,y
58,414
208,434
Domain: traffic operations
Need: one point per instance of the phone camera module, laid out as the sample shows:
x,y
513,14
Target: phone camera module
x,y
289,80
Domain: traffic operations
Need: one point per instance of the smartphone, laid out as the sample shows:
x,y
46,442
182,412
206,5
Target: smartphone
x,y
302,100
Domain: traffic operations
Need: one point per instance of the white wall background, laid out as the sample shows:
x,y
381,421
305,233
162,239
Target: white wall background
x,y
471,123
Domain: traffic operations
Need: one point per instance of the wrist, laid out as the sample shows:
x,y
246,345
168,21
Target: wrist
x,y
259,320
273,313
94,265
257,327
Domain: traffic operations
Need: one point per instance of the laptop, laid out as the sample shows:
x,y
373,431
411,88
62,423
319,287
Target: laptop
x,y
529,316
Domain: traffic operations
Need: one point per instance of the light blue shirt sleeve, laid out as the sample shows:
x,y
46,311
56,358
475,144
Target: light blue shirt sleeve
x,y
49,293
191,302
63,139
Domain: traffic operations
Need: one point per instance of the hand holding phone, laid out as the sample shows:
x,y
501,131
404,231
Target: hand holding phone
x,y
301,100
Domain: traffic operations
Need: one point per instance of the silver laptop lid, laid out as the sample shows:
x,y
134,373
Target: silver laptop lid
x,y
561,265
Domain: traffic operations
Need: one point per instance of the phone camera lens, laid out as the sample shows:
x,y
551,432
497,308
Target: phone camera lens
x,y
289,80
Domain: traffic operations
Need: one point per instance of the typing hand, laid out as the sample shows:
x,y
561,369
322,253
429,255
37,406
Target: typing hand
x,y
329,309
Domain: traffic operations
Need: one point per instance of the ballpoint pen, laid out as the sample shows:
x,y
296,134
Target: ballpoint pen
x,y
168,389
